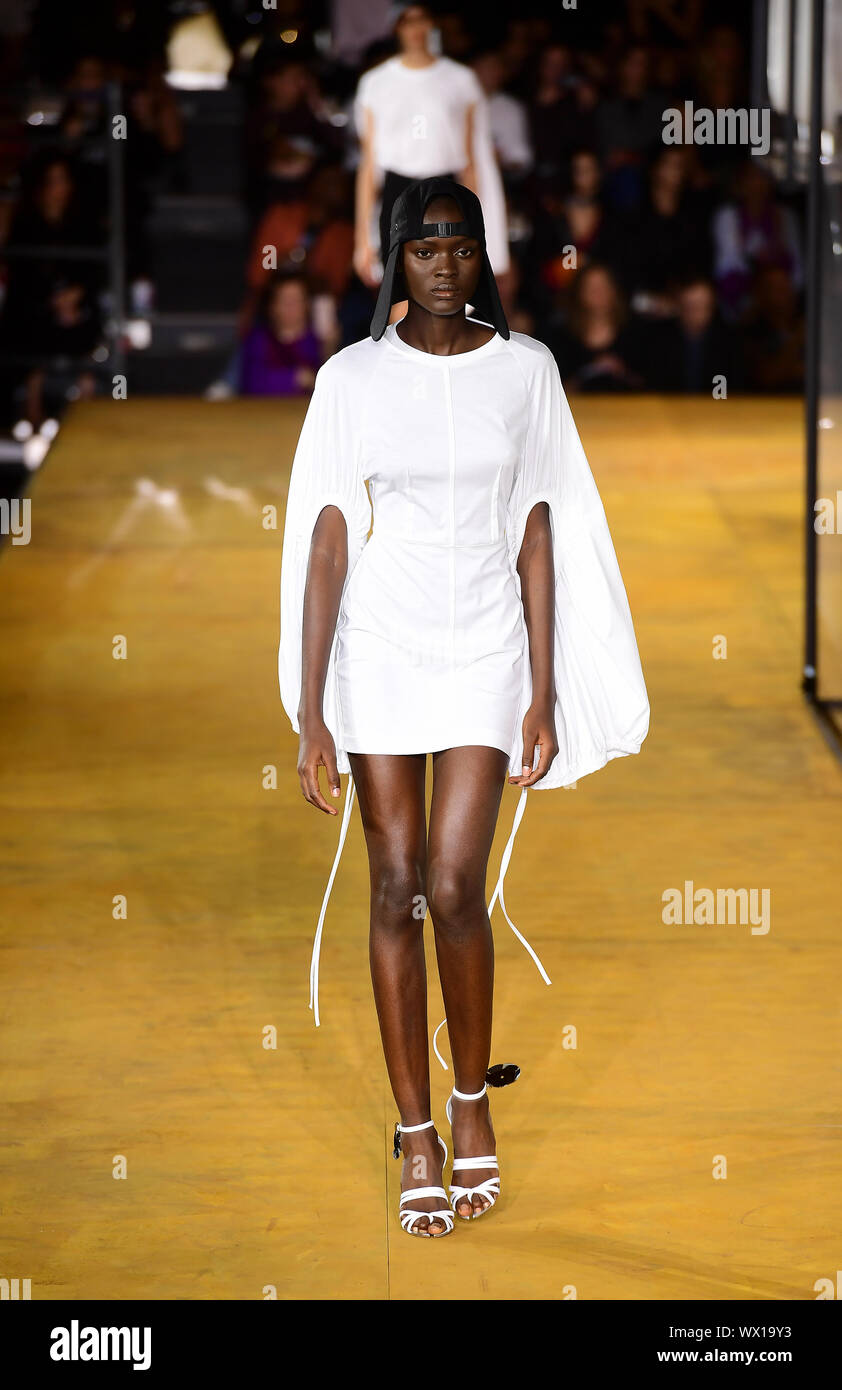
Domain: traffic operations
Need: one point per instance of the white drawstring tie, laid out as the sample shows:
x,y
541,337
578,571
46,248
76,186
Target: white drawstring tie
x,y
498,893
317,943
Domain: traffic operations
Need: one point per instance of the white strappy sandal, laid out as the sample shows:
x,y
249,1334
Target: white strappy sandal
x,y
489,1188
409,1218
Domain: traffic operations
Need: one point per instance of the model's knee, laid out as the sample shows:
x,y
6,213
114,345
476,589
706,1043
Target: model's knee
x,y
456,899
398,892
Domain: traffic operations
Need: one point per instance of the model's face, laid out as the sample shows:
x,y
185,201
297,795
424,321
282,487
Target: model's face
x,y
695,307
669,170
490,71
441,272
554,63
88,76
597,292
585,175
633,72
288,307
414,29
56,190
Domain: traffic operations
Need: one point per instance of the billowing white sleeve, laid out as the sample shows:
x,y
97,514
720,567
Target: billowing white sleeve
x,y
326,471
489,188
360,104
602,709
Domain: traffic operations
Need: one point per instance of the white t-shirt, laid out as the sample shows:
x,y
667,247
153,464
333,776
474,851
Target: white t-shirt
x,y
510,129
420,115
420,129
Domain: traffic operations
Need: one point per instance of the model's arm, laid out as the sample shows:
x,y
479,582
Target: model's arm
x,y
468,175
363,252
537,586
326,570
482,175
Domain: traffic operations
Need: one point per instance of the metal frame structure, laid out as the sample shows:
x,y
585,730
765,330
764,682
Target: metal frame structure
x,y
113,254
817,216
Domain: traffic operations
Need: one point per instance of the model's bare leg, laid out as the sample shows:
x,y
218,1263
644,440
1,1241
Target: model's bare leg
x,y
391,790
467,788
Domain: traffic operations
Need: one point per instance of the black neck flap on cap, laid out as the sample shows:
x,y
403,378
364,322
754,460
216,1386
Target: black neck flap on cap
x,y
407,224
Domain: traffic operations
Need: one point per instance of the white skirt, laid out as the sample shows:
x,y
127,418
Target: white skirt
x,y
430,647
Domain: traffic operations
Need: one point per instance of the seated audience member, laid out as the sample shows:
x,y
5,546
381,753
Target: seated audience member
x,y
561,115
749,234
287,134
659,23
51,215
67,331
315,232
583,217
665,239
721,83
518,315
153,141
516,50
669,75
84,116
629,128
688,352
154,160
598,349
572,227
773,334
507,115
281,352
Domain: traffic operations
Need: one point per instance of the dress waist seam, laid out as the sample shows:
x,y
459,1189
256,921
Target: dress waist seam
x,y
499,544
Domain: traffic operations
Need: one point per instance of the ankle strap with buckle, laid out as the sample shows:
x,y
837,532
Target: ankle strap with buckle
x,y
406,1129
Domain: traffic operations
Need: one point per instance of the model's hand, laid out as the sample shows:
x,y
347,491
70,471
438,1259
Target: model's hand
x,y
505,282
305,378
316,749
538,727
364,264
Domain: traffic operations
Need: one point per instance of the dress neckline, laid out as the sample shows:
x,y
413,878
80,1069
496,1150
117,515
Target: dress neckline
x,y
428,67
451,358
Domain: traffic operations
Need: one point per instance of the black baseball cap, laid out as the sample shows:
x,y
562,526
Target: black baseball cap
x,y
407,224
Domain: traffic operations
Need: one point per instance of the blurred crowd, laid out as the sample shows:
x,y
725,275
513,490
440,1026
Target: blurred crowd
x,y
644,266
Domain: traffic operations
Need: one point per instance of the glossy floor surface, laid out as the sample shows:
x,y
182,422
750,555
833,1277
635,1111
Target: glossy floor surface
x,y
676,1129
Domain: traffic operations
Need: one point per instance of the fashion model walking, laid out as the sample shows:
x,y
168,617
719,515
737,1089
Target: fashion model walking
x,y
419,115
483,620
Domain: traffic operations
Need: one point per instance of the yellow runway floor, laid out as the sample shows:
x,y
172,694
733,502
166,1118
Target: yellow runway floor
x,y
687,1146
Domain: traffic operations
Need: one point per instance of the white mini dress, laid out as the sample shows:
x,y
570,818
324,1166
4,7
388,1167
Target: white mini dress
x,y
436,463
